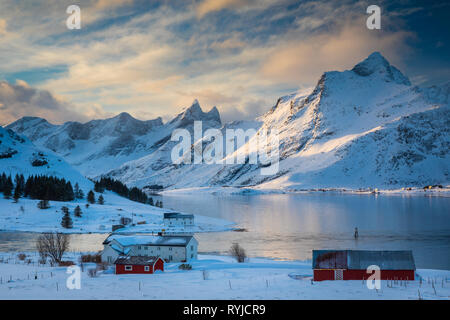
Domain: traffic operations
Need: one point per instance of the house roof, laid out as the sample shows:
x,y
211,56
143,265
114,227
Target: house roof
x,y
136,260
362,259
172,215
150,240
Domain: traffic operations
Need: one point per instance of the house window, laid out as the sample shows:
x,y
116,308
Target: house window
x,y
128,268
147,268
192,255
170,248
170,258
159,248
139,247
192,247
146,248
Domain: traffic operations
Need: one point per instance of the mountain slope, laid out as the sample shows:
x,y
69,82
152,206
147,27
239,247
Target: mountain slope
x,y
364,127
99,146
359,128
18,155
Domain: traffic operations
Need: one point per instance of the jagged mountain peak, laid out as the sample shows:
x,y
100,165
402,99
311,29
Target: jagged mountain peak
x,y
195,113
375,63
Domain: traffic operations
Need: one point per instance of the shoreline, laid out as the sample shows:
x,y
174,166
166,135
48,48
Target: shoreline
x,y
249,191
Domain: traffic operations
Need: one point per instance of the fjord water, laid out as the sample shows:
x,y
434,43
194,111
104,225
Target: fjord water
x,y
289,226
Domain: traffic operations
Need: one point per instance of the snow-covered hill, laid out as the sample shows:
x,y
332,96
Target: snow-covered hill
x,y
18,155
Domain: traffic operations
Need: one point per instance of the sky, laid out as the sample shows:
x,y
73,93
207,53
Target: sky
x,y
153,58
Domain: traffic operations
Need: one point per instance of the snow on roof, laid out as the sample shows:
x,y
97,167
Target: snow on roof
x,y
149,240
136,260
361,259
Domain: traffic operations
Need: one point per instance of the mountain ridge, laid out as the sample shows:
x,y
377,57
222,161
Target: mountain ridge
x,y
366,109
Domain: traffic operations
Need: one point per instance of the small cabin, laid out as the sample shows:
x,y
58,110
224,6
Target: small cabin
x,y
353,264
175,219
138,265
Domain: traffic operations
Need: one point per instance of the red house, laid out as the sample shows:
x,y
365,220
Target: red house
x,y
138,265
353,264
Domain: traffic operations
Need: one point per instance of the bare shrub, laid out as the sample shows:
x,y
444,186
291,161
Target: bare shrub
x,y
92,272
21,256
52,245
96,258
66,263
185,266
238,252
102,265
205,274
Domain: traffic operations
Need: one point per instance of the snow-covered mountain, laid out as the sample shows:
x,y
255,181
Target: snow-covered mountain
x,y
18,155
98,146
364,127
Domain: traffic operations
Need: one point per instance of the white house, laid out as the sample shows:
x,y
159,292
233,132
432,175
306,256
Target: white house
x,y
175,219
170,248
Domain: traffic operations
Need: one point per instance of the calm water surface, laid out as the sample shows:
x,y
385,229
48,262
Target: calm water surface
x,y
290,226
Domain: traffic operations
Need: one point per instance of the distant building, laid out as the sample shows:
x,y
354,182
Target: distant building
x,y
170,248
175,219
140,265
353,264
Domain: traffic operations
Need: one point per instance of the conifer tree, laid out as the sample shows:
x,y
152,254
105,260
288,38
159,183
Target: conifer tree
x,y
16,194
77,212
66,221
91,197
7,188
101,200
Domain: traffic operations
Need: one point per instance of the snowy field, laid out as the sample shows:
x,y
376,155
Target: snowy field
x,y
96,219
212,277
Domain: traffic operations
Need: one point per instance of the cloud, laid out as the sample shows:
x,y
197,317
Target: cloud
x,y
207,6
18,100
151,60
3,25
305,61
105,4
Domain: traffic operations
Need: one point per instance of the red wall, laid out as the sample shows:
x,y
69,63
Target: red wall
x,y
137,269
320,275
159,265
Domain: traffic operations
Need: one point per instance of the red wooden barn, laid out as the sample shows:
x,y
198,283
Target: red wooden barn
x,y
138,264
353,264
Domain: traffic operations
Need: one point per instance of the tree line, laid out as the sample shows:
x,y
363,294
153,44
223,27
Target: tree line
x,y
46,188
134,194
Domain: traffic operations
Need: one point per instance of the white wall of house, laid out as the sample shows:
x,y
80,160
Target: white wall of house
x,y
167,253
109,255
178,222
191,249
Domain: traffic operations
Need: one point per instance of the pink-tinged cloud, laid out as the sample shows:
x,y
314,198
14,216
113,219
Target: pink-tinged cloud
x,y
303,61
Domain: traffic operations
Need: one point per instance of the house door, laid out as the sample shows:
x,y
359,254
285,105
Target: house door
x,y
338,274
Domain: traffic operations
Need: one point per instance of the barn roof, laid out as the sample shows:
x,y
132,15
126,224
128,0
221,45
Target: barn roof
x,y
150,240
136,260
361,259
